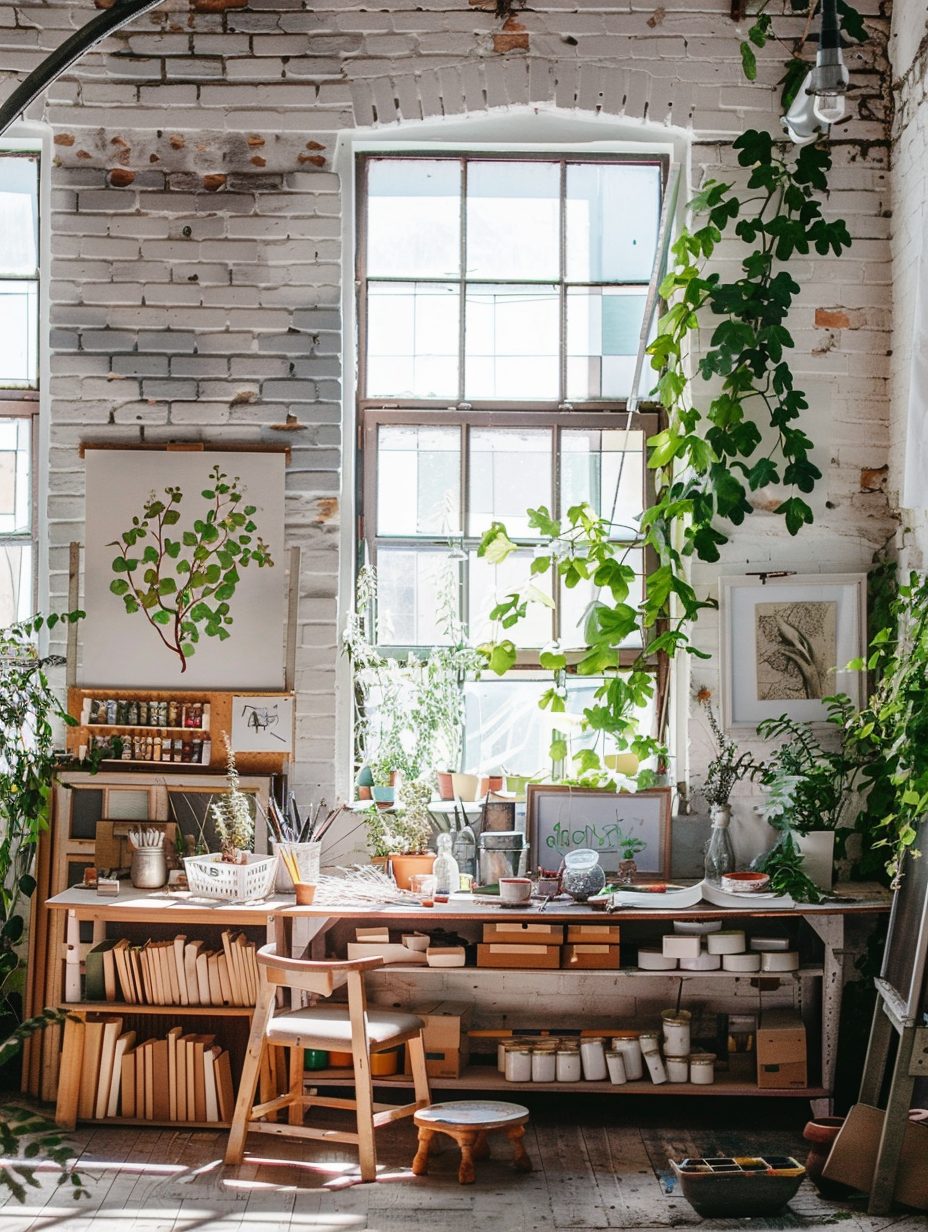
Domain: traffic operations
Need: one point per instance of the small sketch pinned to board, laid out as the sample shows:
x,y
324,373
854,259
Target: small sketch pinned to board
x,y
262,724
796,647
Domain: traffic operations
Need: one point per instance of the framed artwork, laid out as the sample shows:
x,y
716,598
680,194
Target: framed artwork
x,y
562,819
262,724
146,625
786,645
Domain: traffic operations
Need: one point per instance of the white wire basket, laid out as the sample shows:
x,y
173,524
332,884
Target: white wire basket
x,y
211,877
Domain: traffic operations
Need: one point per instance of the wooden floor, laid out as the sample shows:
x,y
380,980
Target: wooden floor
x,y
599,1163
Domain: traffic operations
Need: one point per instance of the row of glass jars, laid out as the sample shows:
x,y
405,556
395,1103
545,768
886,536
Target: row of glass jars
x,y
553,1059
590,1058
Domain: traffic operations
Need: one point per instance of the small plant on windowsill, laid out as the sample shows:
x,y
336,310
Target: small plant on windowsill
x,y
406,830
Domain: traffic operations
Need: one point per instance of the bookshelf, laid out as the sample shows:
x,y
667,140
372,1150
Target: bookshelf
x,y
137,920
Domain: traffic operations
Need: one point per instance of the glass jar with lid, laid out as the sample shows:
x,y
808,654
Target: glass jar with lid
x,y
583,876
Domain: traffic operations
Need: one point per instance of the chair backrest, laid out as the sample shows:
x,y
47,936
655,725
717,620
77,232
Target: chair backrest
x,y
319,978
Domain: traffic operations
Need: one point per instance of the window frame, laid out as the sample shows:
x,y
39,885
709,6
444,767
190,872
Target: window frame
x,y
24,401
601,414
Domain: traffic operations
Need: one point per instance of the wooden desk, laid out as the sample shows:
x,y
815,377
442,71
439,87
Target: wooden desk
x,y
607,998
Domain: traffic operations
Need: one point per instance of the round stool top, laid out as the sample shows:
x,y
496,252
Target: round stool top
x,y
482,1113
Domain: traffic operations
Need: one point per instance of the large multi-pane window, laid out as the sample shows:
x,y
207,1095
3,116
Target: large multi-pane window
x,y
503,305
19,378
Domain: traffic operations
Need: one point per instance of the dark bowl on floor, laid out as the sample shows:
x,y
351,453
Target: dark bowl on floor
x,y
740,1187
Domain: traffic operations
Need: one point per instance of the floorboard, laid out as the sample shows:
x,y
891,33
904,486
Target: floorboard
x,y
600,1164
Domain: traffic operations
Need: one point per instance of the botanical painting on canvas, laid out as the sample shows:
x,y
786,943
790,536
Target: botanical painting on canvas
x,y
796,647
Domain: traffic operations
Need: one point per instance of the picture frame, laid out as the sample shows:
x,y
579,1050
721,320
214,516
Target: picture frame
x,y
561,819
786,643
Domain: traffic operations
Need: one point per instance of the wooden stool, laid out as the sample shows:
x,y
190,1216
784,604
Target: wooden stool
x,y
468,1121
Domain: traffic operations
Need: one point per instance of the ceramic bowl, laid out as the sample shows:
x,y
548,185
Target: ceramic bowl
x,y
745,883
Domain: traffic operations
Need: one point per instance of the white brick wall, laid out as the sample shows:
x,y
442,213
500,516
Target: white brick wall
x,y
196,238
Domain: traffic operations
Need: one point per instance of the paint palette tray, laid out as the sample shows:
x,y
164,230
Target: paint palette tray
x,y
720,1187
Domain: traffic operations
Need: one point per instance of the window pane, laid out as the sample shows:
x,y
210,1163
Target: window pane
x,y
612,221
416,591
512,343
575,603
18,333
491,583
15,476
603,330
513,228
604,470
414,218
510,472
15,582
418,481
506,730
412,340
19,235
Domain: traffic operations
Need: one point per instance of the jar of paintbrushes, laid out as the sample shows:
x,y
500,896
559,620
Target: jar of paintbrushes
x,y
298,843
149,867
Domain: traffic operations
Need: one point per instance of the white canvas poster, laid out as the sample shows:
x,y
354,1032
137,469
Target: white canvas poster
x,y
184,570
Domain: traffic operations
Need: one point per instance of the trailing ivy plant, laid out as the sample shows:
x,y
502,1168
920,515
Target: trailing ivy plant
x,y
185,584
890,734
29,713
748,439
585,548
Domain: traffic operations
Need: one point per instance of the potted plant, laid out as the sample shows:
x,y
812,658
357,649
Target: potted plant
x,y
408,711
233,815
807,791
403,835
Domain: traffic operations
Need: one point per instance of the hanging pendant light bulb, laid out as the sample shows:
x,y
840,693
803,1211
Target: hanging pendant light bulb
x,y
829,79
820,100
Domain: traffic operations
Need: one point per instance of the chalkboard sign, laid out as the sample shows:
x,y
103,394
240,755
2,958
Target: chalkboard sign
x,y
902,978
562,819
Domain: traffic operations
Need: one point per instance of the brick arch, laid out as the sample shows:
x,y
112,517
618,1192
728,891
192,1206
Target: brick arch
x,y
493,84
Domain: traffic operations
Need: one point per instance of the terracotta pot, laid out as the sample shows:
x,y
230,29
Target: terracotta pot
x,y
493,782
408,866
445,785
364,792
821,1133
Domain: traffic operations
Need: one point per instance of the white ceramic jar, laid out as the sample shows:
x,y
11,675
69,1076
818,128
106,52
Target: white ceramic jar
x,y
730,941
568,1067
702,1068
782,960
676,1033
544,1065
630,1049
615,1063
650,1048
593,1058
519,1065
678,1069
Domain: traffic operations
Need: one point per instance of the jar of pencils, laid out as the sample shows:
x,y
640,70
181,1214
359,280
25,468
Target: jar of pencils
x,y
302,858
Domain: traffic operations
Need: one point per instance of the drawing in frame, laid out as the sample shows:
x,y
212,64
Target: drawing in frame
x,y
561,819
786,645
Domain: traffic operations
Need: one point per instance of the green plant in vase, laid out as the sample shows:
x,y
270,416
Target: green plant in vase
x,y
233,814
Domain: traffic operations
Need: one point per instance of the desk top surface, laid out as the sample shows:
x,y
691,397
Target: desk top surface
x,y
181,905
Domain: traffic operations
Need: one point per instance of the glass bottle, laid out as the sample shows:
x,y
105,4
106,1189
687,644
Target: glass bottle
x,y
445,869
464,850
720,855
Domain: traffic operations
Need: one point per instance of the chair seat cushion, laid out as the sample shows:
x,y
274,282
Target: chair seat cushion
x,y
329,1027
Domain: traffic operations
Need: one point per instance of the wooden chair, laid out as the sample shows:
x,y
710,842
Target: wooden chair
x,y
333,1028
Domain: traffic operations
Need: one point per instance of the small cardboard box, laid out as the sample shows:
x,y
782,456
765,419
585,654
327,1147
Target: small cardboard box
x,y
511,954
389,951
591,956
527,931
853,1156
601,934
447,1044
781,1050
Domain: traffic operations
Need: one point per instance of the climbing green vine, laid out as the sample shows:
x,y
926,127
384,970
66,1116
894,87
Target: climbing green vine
x,y
748,439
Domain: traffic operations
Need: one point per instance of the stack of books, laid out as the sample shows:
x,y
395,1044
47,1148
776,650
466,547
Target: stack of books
x,y
175,972
178,1078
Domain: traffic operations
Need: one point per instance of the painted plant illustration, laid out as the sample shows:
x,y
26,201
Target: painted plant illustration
x,y
796,646
184,585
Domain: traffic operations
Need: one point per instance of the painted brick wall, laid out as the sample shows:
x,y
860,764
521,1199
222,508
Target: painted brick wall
x,y
196,224
909,52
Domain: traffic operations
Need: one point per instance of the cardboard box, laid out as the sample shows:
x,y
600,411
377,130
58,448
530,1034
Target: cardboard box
x,y
853,1156
591,956
447,1044
527,931
781,1050
602,934
519,957
389,951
